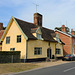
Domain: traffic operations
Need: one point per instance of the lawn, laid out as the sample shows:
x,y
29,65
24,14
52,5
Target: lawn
x,y
16,67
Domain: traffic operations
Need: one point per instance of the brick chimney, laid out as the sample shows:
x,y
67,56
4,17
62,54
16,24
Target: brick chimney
x,y
1,26
72,32
38,19
63,28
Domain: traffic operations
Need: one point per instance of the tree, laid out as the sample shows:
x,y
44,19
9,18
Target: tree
x,y
59,28
4,28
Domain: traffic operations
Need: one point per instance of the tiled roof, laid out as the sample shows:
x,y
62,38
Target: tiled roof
x,y
27,28
46,34
1,33
68,34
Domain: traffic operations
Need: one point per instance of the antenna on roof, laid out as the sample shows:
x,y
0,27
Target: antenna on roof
x,y
66,22
36,6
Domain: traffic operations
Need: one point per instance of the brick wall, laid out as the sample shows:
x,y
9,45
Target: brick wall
x,y
68,43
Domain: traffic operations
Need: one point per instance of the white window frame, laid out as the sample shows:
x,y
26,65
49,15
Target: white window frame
x,y
8,40
38,36
58,51
12,49
38,51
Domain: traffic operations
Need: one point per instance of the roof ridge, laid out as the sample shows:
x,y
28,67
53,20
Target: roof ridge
x,y
24,21
48,28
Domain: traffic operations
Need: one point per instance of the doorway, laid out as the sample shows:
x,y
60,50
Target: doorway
x,y
49,53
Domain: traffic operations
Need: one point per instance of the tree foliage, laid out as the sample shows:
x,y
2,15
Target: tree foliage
x,y
60,28
4,28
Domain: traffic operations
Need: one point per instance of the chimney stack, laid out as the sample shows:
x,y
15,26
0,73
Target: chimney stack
x,y
1,26
63,28
38,19
72,32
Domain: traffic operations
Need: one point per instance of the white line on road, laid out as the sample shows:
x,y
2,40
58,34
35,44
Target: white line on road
x,y
69,69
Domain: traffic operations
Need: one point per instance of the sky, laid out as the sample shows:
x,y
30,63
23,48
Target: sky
x,y
55,12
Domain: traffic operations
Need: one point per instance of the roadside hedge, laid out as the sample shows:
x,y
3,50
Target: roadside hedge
x,y
9,56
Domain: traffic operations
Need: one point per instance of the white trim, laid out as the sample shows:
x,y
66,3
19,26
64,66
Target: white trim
x,y
17,25
21,29
38,29
63,33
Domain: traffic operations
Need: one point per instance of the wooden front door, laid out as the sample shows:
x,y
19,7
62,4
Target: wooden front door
x,y
49,53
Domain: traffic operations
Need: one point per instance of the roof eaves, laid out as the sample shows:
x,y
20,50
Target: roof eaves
x,y
21,29
63,33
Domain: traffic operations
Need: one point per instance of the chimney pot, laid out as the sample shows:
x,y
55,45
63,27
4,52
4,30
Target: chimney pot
x,y
71,29
72,32
63,28
1,26
38,19
63,25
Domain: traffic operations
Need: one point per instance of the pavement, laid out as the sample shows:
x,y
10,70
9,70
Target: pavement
x,y
51,68
62,69
49,64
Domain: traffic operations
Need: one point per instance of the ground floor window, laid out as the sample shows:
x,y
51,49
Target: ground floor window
x,y
37,50
58,51
12,49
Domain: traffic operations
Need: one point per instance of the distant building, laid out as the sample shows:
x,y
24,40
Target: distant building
x,y
68,39
1,33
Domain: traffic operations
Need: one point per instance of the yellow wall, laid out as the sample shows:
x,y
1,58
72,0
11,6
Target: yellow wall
x,y
39,43
13,32
34,34
0,45
59,46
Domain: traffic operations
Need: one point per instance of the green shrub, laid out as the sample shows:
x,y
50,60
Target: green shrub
x,y
9,56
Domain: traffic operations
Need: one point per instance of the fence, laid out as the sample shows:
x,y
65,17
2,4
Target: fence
x,y
9,56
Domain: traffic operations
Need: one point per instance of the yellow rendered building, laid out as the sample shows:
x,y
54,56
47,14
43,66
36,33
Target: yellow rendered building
x,y
33,40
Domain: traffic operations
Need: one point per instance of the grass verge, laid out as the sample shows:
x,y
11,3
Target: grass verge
x,y
16,67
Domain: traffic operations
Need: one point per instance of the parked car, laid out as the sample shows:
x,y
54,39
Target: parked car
x,y
69,57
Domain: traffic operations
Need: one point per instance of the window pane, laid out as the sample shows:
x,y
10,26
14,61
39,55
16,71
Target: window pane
x,y
37,51
7,40
18,38
38,36
12,49
58,51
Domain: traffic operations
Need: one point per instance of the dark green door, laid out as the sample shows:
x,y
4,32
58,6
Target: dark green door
x,y
49,53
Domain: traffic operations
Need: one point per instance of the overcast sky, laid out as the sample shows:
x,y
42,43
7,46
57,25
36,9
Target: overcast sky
x,y
55,12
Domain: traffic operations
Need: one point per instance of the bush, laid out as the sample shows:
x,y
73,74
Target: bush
x,y
9,56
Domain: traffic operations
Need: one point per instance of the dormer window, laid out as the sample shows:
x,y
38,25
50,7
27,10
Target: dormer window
x,y
58,39
38,36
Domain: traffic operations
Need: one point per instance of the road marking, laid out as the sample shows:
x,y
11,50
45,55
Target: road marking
x,y
69,69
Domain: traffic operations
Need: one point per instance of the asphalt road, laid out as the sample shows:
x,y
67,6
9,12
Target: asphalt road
x,y
64,69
